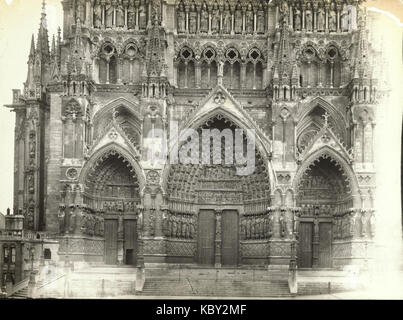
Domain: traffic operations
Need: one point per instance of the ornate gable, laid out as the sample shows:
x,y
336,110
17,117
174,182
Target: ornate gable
x,y
114,134
326,137
220,101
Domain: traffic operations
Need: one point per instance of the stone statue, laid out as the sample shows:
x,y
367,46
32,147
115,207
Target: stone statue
x,y
131,18
332,21
243,229
345,17
72,220
181,21
61,218
215,21
308,20
227,22
192,22
284,13
191,229
260,21
120,226
81,10
253,229
372,223
120,16
109,16
297,19
204,21
174,227
249,20
282,224
142,17
238,21
321,20
352,223
182,228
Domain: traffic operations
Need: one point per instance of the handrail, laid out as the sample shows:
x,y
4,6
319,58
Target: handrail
x,y
51,281
19,286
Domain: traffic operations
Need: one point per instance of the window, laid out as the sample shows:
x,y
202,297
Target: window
x,y
47,254
12,254
6,254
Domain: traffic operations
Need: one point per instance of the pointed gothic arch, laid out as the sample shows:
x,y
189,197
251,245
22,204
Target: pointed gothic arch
x,y
344,167
337,119
234,114
113,149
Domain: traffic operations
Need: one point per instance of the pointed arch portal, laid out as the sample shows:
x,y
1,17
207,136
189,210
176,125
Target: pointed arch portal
x,y
324,190
112,189
216,199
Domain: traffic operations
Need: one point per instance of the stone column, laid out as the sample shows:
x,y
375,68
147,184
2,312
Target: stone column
x,y
119,69
315,244
140,245
243,75
197,73
217,263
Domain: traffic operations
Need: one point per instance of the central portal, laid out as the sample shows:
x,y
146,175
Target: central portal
x,y
230,241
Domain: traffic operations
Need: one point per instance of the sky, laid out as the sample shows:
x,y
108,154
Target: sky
x,y
19,19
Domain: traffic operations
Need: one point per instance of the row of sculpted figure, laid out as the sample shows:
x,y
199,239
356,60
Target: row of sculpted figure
x,y
75,220
119,206
221,21
116,14
256,227
179,226
315,20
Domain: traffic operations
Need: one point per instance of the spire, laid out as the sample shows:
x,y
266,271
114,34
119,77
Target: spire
x,y
53,52
32,50
43,39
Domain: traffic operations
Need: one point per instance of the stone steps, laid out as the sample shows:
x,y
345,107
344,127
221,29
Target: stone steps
x,y
222,288
22,294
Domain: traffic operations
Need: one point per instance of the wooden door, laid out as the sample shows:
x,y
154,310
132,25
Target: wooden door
x,y
130,244
229,234
305,245
206,237
111,241
325,245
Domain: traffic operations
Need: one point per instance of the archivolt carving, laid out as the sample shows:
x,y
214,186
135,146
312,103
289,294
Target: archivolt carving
x,y
339,161
104,153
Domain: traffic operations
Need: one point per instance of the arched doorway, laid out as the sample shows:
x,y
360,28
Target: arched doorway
x,y
216,201
323,193
112,190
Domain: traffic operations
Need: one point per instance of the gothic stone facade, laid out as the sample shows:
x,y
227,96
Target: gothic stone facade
x,y
297,72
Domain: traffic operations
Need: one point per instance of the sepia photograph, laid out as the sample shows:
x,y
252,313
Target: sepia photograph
x,y
201,149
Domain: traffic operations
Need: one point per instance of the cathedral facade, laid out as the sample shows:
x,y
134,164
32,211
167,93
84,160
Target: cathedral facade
x,y
297,73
